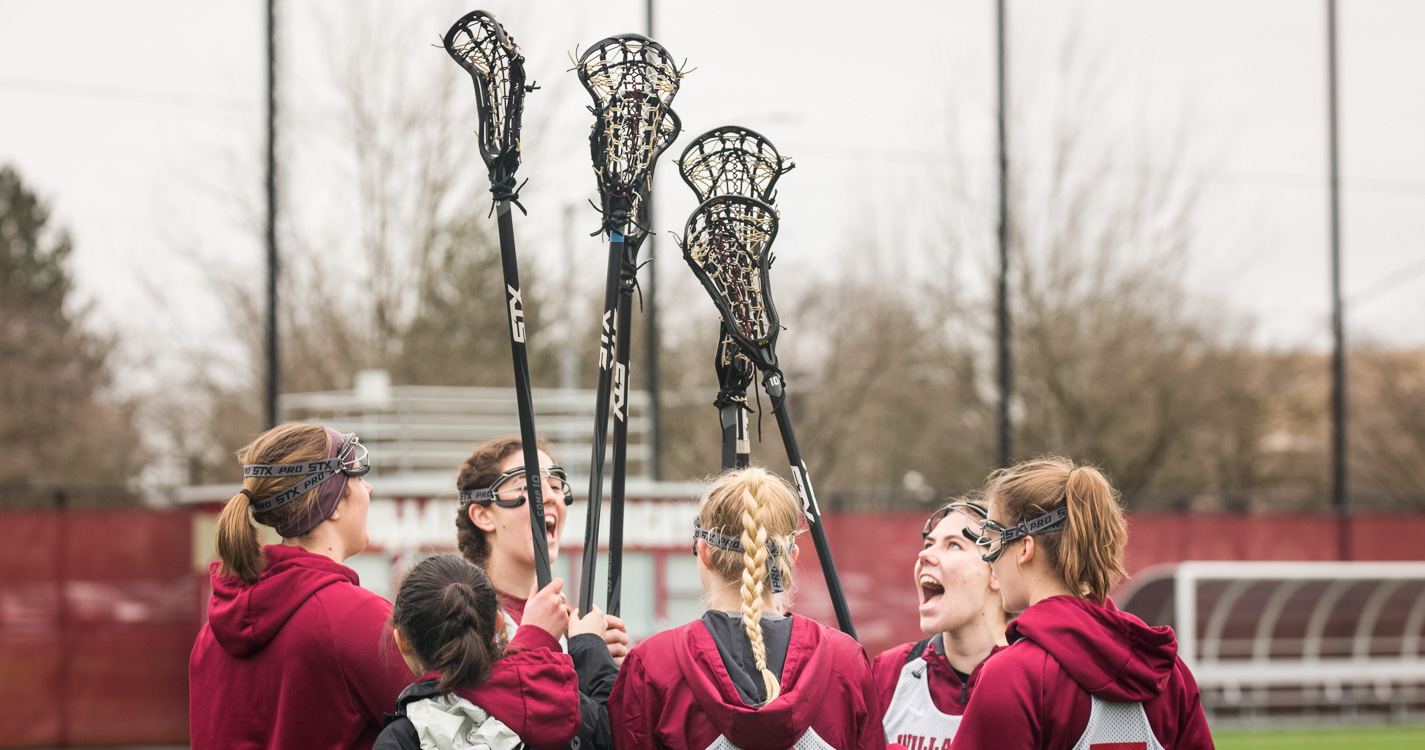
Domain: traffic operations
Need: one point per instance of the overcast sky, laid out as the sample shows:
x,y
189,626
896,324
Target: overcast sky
x,y
133,118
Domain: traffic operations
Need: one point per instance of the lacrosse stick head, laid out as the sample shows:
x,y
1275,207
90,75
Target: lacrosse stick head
x,y
728,244
733,160
480,45
632,82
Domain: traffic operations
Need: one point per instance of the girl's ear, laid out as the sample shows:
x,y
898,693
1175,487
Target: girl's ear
x,y
796,552
402,645
409,654
1026,555
704,554
481,517
994,582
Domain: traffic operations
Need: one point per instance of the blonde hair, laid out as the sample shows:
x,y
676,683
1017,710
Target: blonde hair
x,y
756,507
1088,554
237,543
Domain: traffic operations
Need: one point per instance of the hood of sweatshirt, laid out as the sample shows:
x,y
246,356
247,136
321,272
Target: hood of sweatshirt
x,y
534,693
245,617
806,675
1111,654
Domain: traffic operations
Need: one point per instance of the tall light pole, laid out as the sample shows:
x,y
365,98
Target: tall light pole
x,y
655,463
1339,500
1006,383
274,370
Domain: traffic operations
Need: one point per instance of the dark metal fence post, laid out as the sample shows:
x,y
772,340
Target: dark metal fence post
x,y
1339,500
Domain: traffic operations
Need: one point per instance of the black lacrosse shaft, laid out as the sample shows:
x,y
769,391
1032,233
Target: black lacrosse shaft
x,y
628,268
601,430
727,417
778,394
514,308
735,453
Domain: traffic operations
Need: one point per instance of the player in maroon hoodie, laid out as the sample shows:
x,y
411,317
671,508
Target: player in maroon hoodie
x,y
924,686
469,694
292,655
1078,673
747,675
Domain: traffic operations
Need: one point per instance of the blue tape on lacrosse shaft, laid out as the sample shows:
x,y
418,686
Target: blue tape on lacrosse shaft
x,y
615,237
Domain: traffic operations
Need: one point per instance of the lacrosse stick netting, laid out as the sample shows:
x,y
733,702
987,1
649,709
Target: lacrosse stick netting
x,y
728,244
733,160
632,82
480,45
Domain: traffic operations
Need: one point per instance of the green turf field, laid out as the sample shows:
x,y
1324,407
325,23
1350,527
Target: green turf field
x,y
1325,738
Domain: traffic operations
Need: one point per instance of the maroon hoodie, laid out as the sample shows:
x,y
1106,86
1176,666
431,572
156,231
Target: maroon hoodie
x,y
532,689
675,692
296,659
1036,693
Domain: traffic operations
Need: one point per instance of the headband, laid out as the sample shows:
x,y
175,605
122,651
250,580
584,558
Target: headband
x,y
723,541
317,473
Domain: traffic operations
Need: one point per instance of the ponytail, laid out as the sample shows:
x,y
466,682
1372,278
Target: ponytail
x,y
755,507
1087,554
237,544
754,558
1092,551
465,659
447,608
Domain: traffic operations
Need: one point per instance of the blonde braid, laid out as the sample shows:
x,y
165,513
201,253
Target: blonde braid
x,y
754,558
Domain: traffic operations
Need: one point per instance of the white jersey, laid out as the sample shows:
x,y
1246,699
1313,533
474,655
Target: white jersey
x,y
1122,726
912,720
808,741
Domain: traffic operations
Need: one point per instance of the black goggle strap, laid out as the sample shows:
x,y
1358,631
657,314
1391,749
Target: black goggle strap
x,y
1051,521
723,541
487,494
320,471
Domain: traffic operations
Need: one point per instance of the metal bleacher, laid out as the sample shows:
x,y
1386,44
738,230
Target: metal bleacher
x,y
419,435
1276,642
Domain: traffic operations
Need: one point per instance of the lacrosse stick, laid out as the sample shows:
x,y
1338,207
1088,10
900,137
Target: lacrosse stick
x,y
735,372
733,160
632,82
728,244
479,44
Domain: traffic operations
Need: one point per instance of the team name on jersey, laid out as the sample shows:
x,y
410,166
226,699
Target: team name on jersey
x,y
917,742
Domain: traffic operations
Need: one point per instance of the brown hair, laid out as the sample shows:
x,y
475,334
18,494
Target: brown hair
x,y
754,506
238,546
447,610
1088,554
476,473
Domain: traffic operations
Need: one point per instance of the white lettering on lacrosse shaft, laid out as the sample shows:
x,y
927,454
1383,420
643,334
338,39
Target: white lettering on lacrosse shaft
x,y
620,391
516,314
804,489
607,339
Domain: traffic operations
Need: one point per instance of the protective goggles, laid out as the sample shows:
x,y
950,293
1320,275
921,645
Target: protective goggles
x,y
350,460
492,494
974,514
994,536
